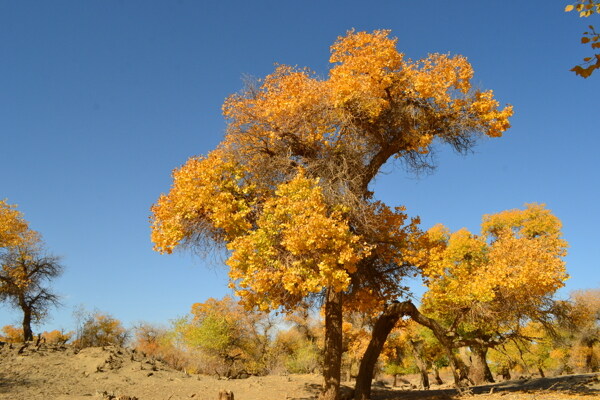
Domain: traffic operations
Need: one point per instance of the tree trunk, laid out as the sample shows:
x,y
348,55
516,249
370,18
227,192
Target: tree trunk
x,y
349,372
332,367
383,326
417,350
480,371
385,323
459,369
436,375
27,332
541,372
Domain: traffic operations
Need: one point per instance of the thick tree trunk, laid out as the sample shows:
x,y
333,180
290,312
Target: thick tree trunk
x,y
480,371
417,350
384,325
333,345
27,332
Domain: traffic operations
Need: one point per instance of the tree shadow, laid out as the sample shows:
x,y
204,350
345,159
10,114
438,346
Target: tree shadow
x,y
315,390
584,385
9,383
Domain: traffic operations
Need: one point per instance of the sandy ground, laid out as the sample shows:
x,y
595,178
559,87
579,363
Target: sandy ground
x,y
63,373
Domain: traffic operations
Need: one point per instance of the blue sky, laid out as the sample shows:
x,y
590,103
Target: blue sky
x,y
100,100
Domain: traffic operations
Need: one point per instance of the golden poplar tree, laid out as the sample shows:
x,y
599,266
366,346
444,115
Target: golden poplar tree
x,y
482,287
25,268
287,191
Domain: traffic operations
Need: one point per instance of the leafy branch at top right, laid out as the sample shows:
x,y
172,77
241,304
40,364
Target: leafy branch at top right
x,y
585,9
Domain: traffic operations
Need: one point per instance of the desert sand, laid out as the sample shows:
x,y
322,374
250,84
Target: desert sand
x,y
65,373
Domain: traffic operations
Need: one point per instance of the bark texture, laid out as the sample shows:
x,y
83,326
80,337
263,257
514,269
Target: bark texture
x,y
480,370
333,345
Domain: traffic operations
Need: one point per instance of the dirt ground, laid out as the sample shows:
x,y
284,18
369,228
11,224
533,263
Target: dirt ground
x,y
63,373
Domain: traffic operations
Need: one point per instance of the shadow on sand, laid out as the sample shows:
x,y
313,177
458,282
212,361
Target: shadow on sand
x,y
582,385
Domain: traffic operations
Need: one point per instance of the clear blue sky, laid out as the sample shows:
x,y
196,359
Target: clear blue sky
x,y
100,100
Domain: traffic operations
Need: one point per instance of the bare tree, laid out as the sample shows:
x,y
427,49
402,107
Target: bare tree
x,y
26,271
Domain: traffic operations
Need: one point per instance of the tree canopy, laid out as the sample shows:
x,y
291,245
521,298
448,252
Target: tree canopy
x,y
288,189
482,288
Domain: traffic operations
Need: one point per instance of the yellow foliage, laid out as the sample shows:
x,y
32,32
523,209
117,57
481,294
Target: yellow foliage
x,y
514,264
13,227
57,337
319,250
287,191
12,334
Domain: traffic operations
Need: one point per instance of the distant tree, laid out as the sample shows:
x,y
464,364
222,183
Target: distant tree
x,y
585,330
100,329
26,271
587,8
356,329
236,338
299,349
57,336
482,287
160,343
288,190
296,353
11,334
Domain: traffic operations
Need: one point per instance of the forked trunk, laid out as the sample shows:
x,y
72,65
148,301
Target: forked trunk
x,y
384,325
460,372
333,345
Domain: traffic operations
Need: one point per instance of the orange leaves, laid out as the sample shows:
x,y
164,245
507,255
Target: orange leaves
x,y
287,191
486,108
13,228
12,334
288,101
584,7
208,194
587,8
366,67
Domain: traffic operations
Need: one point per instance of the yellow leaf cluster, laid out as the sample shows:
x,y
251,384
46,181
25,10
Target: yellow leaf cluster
x,y
299,247
209,189
13,227
585,8
513,265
